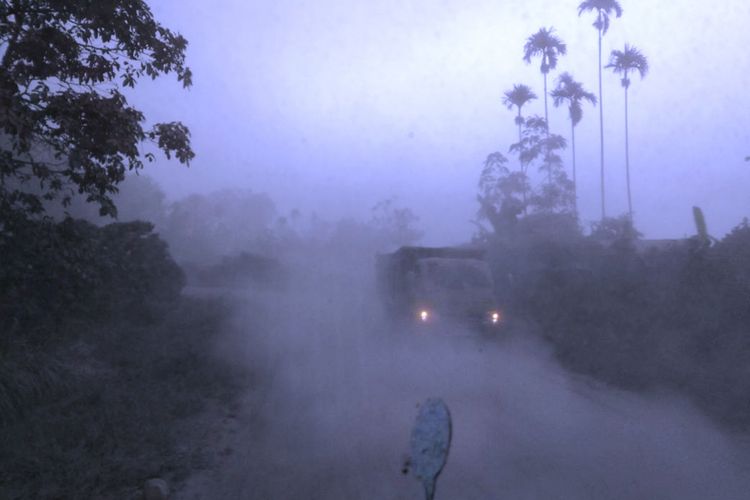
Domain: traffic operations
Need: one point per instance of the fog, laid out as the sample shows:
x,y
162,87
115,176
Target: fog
x,y
247,327
337,395
331,107
326,110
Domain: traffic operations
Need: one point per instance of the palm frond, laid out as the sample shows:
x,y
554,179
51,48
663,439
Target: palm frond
x,y
605,6
518,96
603,9
626,61
546,44
570,91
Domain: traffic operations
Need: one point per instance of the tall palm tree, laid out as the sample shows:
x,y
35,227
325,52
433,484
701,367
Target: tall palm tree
x,y
519,96
623,62
550,47
603,9
572,92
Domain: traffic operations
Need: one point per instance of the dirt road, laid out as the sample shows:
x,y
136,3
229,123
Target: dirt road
x,y
338,397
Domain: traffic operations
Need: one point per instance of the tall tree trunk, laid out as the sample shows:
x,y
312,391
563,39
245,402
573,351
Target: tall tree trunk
x,y
627,157
601,127
520,137
575,180
546,116
519,123
546,129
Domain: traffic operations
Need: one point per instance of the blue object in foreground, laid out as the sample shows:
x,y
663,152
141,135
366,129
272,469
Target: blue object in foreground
x,y
430,442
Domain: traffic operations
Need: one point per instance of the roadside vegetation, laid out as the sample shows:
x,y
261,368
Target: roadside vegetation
x,y
106,368
638,314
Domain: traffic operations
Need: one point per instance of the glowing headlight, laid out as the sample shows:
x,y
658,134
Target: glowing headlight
x,y
495,318
424,315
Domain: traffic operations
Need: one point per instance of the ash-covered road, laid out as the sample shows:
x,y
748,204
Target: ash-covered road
x,y
337,394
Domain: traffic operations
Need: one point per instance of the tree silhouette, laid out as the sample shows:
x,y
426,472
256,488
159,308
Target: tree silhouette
x,y
603,9
549,47
518,97
572,92
623,62
538,144
67,127
500,192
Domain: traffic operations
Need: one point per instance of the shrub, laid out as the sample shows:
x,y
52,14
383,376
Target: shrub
x,y
95,418
676,316
53,272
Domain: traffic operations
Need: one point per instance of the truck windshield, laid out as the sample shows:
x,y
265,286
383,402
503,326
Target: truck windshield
x,y
456,274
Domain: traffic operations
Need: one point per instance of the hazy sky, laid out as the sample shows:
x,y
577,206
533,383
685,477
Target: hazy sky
x,y
330,106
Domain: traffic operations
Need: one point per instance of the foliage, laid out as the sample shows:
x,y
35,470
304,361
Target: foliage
x,y
572,92
138,197
510,254
205,227
548,46
671,317
73,269
96,417
623,62
554,196
65,125
603,9
501,194
537,145
615,230
519,96
504,195
105,365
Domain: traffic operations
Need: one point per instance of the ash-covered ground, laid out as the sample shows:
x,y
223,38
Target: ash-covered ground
x,y
338,390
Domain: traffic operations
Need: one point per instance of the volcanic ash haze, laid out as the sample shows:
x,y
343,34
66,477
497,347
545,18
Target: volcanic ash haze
x,y
337,394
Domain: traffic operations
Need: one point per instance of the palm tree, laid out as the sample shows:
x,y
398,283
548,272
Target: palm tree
x,y
518,97
623,62
572,92
603,9
550,47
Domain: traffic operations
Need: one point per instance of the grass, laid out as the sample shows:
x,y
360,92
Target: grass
x,y
95,415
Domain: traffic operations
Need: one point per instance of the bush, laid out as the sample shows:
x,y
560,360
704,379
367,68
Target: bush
x,y
96,417
106,368
678,316
56,272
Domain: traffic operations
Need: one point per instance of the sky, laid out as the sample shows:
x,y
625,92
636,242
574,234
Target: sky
x,y
331,106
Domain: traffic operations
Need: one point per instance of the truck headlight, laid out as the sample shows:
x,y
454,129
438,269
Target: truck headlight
x,y
495,317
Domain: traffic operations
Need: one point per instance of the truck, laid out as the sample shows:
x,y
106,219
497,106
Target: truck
x,y
438,285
